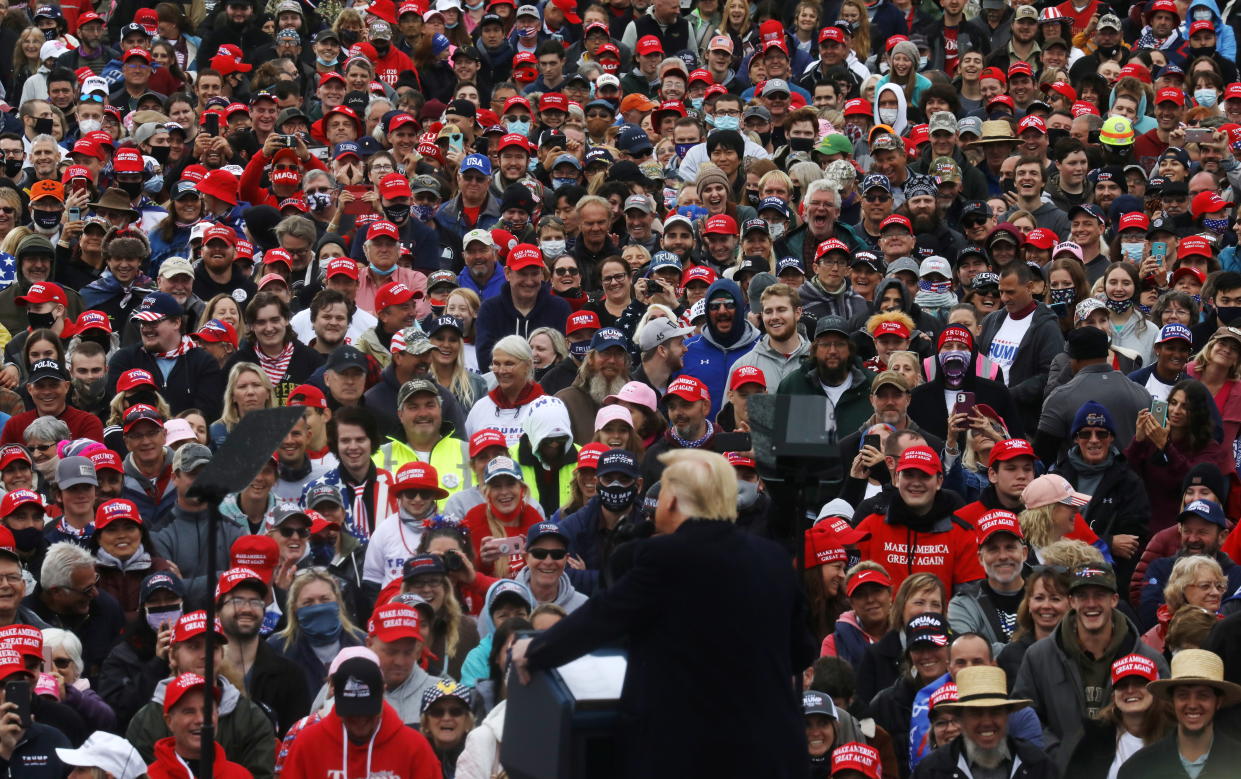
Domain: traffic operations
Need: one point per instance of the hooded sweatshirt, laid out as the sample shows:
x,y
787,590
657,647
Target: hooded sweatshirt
x,y
169,765
498,317
567,597
475,666
324,750
709,357
902,105
1225,37
549,482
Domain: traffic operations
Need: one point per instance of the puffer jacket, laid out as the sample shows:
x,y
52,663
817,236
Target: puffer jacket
x,y
817,302
1052,680
244,731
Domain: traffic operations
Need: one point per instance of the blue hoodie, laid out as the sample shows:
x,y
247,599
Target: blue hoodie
x,y
710,356
1225,37
475,666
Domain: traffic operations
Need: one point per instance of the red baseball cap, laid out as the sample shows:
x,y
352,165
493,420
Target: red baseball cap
x,y
831,34
822,547
1032,122
106,459
582,320
689,389
394,293
1208,203
525,255
307,395
257,553
394,621
44,292
89,148
11,453
1020,68
194,624
994,73
891,328
1134,665
856,757
1170,95
553,101
221,233
840,527
342,266
127,160
1081,108
1134,220
216,331
698,273
96,320
394,185
383,229
649,44
866,576
331,75
1010,448
416,475
1063,89
1188,270
831,245
485,439
858,107
509,140
921,458
135,377
138,413
1233,91
1194,246
739,460
183,684
947,693
1042,238
1137,70
588,456
13,500
997,521
11,662
720,224
747,374
115,510
25,639
273,256
1200,25
899,220
235,577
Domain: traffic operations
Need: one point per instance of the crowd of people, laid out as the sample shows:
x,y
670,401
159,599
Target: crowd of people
x,y
526,269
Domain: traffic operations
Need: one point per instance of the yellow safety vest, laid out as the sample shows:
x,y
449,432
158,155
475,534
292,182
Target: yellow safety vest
x,y
450,457
530,476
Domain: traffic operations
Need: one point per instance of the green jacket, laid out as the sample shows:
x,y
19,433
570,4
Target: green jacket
x,y
246,733
854,407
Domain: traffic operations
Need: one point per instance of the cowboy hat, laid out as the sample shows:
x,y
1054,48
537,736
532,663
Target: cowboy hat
x,y
116,199
984,687
996,131
1197,666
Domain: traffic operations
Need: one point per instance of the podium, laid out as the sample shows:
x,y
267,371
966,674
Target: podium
x,y
565,723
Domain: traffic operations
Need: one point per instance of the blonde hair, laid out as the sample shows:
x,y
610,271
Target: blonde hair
x,y
118,404
909,357
497,529
209,311
861,29
1070,553
703,482
1038,527
293,631
230,417
473,301
916,583
1204,356
1184,571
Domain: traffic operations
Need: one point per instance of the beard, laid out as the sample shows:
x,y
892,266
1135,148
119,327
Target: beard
x,y
987,758
599,387
833,376
926,223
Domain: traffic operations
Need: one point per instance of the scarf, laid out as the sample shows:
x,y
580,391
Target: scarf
x,y
527,394
184,346
138,561
928,298
684,444
275,367
1148,40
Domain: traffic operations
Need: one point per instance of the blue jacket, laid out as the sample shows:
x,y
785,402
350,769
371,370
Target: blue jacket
x,y
498,317
1225,37
886,21
581,528
177,246
493,284
475,667
303,654
709,360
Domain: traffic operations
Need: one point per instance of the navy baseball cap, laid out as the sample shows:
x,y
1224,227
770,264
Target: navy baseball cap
x,y
156,306
876,180
607,338
441,322
599,154
1208,510
1091,209
789,263
345,148
617,461
542,530
776,203
160,580
633,139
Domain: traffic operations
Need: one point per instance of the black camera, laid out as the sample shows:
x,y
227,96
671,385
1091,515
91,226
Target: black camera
x,y
453,562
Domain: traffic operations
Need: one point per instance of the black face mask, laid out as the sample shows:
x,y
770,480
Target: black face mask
x,y
764,138
28,539
617,498
397,213
1107,52
1054,136
49,34
349,37
132,188
38,321
147,397
751,197
1227,314
801,144
12,167
1202,51
48,220
160,153
381,47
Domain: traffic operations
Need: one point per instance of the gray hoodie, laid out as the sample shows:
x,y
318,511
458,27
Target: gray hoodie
x,y
774,365
567,597
406,698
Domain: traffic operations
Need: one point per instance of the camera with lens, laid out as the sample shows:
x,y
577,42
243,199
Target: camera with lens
x,y
453,562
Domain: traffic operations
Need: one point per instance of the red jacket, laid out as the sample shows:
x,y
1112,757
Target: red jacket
x,y
168,765
250,188
476,522
943,544
388,68
321,751
81,425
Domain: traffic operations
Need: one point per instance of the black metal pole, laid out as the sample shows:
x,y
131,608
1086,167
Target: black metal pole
x,y
207,755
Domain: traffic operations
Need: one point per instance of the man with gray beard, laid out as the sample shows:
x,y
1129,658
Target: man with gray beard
x,y
604,371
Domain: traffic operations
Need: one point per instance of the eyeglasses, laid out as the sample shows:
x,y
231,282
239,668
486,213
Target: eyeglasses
x,y
61,662
615,278
42,447
300,532
447,711
972,223
543,554
10,578
242,603
722,305
426,583
384,167
565,271
834,262
1086,435
1210,586
89,591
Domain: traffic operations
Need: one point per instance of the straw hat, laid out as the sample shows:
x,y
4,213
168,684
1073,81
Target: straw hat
x,y
985,687
1197,666
996,131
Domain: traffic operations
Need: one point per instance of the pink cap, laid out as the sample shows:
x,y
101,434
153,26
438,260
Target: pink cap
x,y
612,413
638,393
1052,488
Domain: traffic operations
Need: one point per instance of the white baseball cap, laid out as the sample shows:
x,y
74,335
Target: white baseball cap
x,y
108,752
935,264
483,236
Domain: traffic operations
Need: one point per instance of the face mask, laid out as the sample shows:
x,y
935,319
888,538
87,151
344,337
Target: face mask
x,y
132,188
47,468
348,37
801,144
751,198
422,213
1202,14
1227,314
87,126
747,495
47,220
888,116
727,122
532,165
1205,97
922,63
28,539
157,618
40,320
936,287
551,249
579,349
1055,136
525,33
382,272
320,622
397,212
1202,51
1061,299
1218,226
696,103
1118,306
381,47
160,153
153,185
476,6
617,498
954,365
682,149
90,390
146,397
557,183
321,554
764,139
520,127
318,201
12,167
777,231
1133,251
1144,310
327,63
49,34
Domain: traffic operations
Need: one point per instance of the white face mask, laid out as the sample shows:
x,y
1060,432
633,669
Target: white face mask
x,y
87,126
888,115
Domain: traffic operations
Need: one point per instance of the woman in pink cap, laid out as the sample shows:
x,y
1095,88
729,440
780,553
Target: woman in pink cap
x,y
643,405
614,428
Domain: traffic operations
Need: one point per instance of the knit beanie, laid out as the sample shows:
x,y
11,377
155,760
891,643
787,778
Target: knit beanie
x,y
1093,414
708,174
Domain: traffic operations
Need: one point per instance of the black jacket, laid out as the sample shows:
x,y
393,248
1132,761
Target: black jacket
x,y
277,683
926,404
195,381
1028,762
696,711
1028,374
1118,505
131,671
891,709
880,666
1162,760
1092,759
1225,641
97,632
35,754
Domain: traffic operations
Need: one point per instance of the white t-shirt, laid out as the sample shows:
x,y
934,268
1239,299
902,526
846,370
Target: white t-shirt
x,y
1126,746
835,393
1157,388
1006,342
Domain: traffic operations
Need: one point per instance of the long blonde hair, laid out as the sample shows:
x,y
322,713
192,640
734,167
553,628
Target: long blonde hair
x,y
861,30
500,568
118,404
747,21
230,417
1037,526
293,631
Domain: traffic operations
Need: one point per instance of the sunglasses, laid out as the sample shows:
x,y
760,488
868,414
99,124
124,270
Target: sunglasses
x,y
300,532
972,223
718,305
1086,435
543,554
882,198
447,711
61,662
419,494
